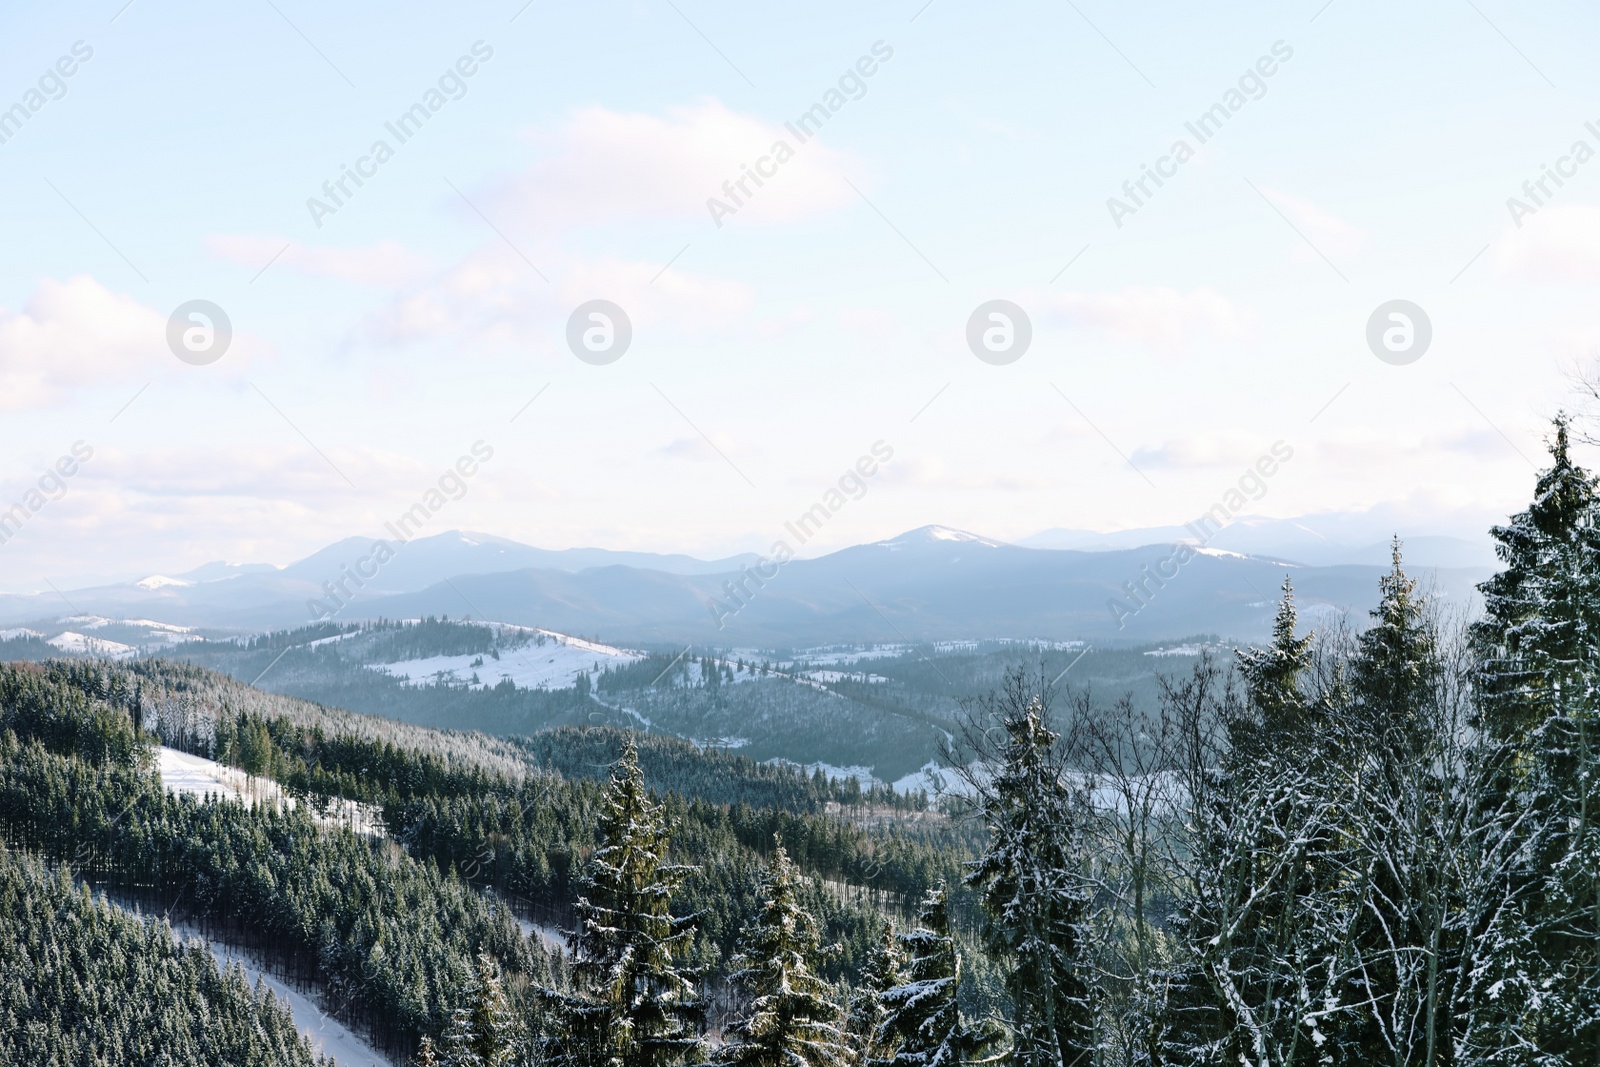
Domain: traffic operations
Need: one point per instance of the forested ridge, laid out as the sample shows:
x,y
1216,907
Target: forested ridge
x,y
84,982
1351,847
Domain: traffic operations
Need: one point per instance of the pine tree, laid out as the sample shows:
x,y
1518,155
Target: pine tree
x,y
792,1020
1034,892
884,969
1396,670
923,1015
1272,678
461,1039
1532,994
635,1005
494,1037
1400,742
427,1055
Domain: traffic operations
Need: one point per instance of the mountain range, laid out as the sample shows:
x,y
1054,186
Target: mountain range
x,y
933,583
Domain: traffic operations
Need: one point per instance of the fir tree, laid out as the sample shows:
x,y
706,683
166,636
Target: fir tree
x,y
1396,670
923,1015
1033,890
884,969
1272,679
792,1020
1532,989
483,1031
635,1005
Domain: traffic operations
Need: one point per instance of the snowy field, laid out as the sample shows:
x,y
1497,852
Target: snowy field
x,y
554,665
72,641
198,776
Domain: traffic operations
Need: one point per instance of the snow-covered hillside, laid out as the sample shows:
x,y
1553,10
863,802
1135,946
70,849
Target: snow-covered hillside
x,y
554,663
201,777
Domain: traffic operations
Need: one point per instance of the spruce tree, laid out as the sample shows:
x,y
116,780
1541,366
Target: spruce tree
x,y
494,1038
885,969
635,1004
1034,893
1272,678
1401,744
792,1019
1532,988
923,1014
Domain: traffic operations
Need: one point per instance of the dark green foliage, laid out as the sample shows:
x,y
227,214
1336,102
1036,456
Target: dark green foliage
x,y
1532,925
634,1003
83,983
791,1019
923,1019
1033,882
388,939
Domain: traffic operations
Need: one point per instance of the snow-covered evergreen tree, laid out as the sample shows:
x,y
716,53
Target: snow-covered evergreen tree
x,y
635,1004
1033,887
1269,919
1532,988
1402,744
885,969
792,1019
923,1015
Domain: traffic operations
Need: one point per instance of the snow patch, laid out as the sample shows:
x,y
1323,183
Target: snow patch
x,y
72,641
201,777
555,664
157,581
934,779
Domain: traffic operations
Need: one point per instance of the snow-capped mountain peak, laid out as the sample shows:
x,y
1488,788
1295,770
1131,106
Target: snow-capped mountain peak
x,y
923,535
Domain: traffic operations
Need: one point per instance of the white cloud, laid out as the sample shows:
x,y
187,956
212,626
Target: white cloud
x,y
1156,315
71,334
607,166
1560,242
492,298
78,334
386,264
1331,235
717,450
1205,450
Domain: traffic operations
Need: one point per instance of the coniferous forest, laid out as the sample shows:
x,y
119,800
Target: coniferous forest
x,y
1374,845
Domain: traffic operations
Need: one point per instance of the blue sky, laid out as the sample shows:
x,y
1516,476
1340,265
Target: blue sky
x,y
769,353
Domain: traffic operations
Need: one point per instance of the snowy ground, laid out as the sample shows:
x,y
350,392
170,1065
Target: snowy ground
x,y
846,676
196,775
72,641
933,778
327,1036
550,937
554,665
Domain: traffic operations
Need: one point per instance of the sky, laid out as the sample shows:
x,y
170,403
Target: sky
x,y
386,336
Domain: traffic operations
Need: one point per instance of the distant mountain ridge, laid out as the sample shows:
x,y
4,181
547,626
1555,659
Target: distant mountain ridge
x,y
933,583
1319,541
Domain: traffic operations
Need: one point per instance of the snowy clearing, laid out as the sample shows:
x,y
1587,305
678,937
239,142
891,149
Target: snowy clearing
x,y
934,779
72,641
201,777
555,664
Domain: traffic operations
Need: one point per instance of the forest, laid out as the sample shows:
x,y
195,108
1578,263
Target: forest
x,y
1365,845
